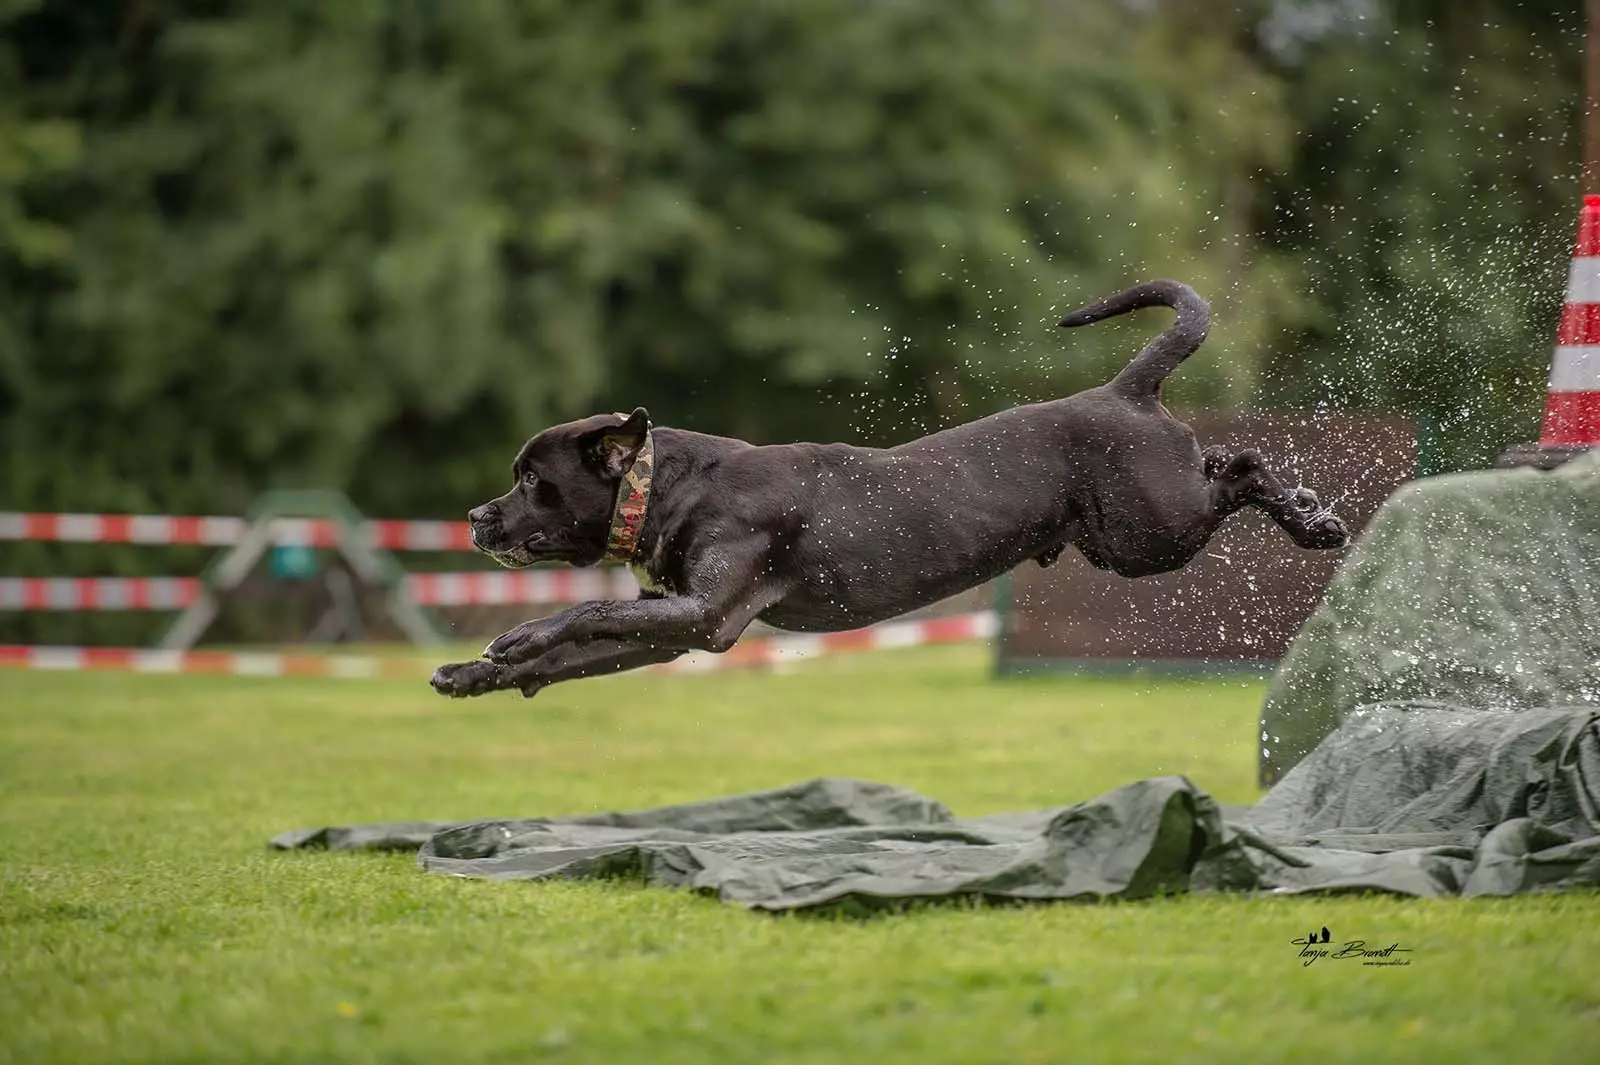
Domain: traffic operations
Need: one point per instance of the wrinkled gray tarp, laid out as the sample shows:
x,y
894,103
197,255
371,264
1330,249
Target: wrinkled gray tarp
x,y
1410,799
1480,589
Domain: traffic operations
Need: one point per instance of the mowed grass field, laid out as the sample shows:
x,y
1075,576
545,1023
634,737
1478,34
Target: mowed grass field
x,y
142,917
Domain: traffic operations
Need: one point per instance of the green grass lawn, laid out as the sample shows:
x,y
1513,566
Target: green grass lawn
x,y
143,919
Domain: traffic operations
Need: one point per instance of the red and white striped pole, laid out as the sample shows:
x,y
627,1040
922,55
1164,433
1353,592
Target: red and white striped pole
x,y
1572,404
1572,400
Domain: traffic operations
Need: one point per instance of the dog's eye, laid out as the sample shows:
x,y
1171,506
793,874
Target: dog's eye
x,y
530,479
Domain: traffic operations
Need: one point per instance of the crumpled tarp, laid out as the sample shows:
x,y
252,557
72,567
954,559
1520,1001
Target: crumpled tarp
x,y
1480,589
1404,798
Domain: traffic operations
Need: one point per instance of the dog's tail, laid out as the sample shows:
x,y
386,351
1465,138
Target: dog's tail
x,y
1143,376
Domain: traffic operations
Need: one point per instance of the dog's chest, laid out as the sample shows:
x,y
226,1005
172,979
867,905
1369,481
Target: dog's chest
x,y
649,583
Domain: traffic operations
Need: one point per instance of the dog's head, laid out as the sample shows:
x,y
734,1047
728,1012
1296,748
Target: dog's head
x,y
559,509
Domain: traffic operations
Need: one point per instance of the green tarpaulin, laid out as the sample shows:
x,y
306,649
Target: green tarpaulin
x,y
1408,799
1475,589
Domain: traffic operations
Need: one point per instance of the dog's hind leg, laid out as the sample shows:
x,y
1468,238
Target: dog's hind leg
x,y
1244,480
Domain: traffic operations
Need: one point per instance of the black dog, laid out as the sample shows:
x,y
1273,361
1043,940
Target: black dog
x,y
821,537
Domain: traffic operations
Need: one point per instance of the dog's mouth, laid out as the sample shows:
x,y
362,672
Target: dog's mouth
x,y
521,556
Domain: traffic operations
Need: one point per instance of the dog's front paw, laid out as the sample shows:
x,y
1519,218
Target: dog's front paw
x,y
461,679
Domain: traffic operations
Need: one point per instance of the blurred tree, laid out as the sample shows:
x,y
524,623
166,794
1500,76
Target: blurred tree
x,y
814,219
277,250
36,149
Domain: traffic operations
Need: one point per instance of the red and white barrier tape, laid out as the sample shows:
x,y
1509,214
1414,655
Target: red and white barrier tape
x,y
224,532
98,593
761,651
790,647
1572,400
521,586
425,589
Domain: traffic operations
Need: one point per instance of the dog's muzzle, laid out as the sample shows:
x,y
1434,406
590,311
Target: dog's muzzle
x,y
518,556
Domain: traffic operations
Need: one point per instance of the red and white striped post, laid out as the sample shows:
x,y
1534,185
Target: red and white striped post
x,y
1572,400
1572,405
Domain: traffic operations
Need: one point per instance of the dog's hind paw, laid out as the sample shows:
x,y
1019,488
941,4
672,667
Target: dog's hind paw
x,y
1316,527
461,679
1214,461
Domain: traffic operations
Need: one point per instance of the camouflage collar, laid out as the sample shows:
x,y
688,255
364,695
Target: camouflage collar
x,y
633,495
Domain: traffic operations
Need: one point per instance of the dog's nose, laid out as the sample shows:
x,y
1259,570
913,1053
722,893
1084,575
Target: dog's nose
x,y
480,514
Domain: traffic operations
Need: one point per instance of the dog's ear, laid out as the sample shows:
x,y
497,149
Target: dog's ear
x,y
612,450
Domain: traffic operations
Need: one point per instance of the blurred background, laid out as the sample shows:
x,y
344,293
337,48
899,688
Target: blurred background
x,y
372,245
